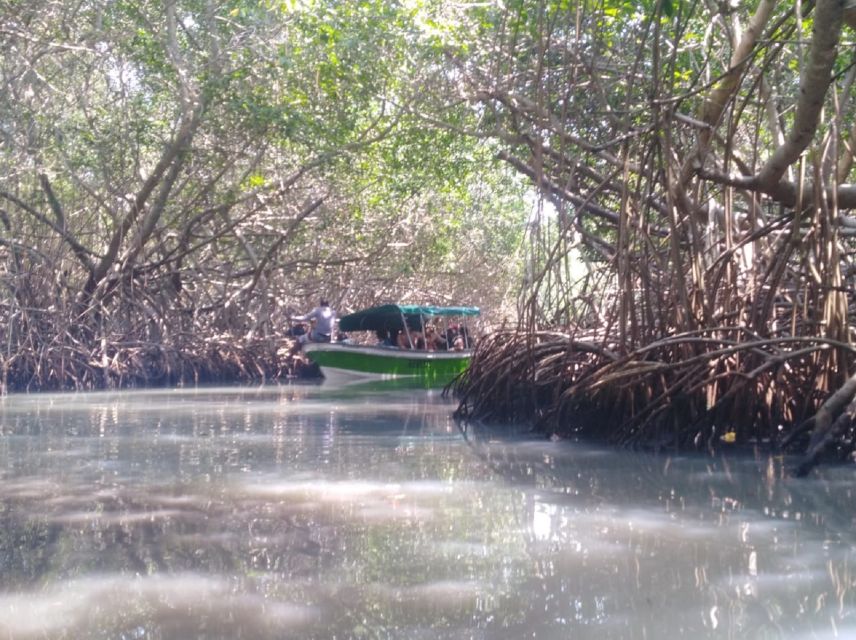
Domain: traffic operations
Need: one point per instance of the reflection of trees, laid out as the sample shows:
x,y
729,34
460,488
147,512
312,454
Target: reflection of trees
x,y
27,548
266,493
688,538
371,511
115,494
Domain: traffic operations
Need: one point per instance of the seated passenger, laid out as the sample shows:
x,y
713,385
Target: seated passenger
x,y
452,332
384,338
464,334
433,340
418,340
402,341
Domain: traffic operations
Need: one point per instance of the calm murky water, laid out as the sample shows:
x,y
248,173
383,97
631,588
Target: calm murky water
x,y
305,512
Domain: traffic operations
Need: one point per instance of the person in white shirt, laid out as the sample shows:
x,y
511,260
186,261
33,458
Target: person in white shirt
x,y
325,322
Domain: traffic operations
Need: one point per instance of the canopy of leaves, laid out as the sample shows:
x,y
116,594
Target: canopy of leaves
x,y
201,167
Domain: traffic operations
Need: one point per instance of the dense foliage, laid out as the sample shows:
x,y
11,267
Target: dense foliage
x,y
179,177
176,177
698,158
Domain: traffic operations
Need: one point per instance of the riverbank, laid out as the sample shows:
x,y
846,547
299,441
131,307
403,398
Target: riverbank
x,y
137,364
690,392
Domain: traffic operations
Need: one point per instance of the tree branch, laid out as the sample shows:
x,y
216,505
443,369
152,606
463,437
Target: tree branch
x,y
814,83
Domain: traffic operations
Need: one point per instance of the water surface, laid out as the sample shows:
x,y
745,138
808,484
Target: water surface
x,y
311,512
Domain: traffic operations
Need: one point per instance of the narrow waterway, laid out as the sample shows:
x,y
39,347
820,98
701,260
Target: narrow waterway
x,y
310,512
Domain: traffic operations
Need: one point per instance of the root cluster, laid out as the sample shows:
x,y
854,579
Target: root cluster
x,y
700,390
127,364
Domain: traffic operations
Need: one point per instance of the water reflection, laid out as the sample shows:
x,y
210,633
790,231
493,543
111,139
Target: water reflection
x,y
683,547
305,512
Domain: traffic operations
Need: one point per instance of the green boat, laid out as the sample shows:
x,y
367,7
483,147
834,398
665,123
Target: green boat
x,y
349,361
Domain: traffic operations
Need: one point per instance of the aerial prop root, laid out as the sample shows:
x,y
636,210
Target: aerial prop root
x,y
833,418
702,380
512,371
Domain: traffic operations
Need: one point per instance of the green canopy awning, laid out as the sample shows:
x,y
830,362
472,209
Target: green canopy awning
x,y
389,316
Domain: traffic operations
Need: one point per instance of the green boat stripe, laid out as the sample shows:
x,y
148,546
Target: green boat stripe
x,y
438,366
386,352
